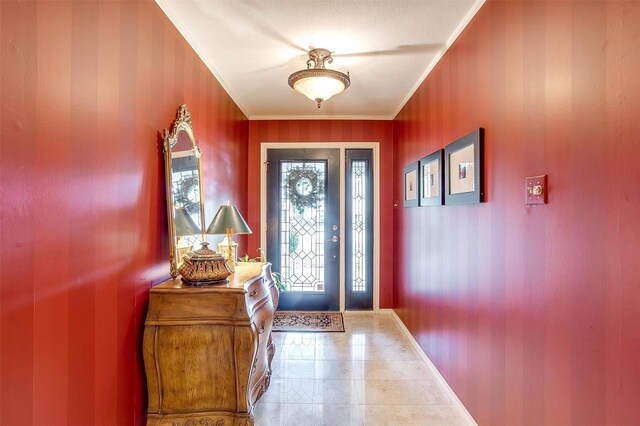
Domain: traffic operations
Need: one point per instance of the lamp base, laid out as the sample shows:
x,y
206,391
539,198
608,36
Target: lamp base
x,y
229,250
183,247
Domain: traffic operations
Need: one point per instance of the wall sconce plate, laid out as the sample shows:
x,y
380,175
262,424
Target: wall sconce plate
x,y
536,190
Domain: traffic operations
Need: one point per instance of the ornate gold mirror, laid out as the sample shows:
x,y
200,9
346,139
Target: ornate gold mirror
x,y
185,201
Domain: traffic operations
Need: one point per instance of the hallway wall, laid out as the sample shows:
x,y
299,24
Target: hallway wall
x,y
532,313
86,89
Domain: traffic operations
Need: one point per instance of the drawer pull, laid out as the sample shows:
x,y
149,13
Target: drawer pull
x,y
253,292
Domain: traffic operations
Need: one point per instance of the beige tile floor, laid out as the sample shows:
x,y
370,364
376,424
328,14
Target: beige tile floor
x,y
369,375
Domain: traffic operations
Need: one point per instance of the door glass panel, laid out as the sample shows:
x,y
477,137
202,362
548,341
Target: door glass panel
x,y
302,224
359,229
359,224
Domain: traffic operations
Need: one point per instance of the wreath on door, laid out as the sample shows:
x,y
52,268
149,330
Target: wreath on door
x,y
304,189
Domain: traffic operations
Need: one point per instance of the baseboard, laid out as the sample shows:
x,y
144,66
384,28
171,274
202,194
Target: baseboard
x,y
456,401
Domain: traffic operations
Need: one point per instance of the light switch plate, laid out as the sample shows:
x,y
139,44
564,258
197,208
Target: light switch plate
x,y
536,190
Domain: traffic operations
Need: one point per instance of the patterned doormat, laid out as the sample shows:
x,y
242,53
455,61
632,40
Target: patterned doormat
x,y
308,321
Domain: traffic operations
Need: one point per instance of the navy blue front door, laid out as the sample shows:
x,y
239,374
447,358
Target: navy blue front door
x,y
303,226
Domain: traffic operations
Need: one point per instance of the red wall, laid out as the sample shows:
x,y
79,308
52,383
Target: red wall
x,y
86,88
532,313
328,131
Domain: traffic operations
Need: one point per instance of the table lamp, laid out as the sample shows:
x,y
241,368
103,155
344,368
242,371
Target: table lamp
x,y
228,221
185,226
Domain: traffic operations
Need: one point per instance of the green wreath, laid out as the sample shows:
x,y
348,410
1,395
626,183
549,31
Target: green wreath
x,y
184,187
305,189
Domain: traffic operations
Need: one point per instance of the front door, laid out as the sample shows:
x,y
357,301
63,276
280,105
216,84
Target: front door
x,y
303,220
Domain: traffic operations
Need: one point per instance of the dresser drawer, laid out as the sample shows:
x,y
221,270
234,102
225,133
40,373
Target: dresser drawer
x,y
265,315
168,308
256,292
263,321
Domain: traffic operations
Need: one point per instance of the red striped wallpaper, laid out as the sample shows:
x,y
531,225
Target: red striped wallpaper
x,y
328,131
86,88
532,313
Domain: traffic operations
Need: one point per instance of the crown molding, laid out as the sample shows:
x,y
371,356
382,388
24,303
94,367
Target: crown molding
x,y
200,52
454,36
320,117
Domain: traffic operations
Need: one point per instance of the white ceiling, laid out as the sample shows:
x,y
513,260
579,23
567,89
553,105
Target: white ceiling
x,y
388,47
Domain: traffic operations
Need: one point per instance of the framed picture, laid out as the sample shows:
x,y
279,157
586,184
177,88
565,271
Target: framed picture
x,y
464,169
432,179
411,183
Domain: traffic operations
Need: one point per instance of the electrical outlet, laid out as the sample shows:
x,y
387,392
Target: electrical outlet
x,y
536,190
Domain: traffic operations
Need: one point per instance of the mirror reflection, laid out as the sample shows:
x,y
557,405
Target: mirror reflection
x,y
185,179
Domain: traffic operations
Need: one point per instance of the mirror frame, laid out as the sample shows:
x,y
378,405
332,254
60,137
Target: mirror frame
x,y
182,123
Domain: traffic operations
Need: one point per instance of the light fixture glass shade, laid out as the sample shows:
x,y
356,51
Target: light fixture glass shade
x,y
317,82
319,87
228,217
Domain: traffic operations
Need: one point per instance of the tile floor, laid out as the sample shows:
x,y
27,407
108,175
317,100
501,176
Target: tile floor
x,y
368,375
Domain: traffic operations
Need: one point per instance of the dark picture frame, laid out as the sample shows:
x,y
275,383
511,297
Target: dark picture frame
x,y
411,185
431,173
464,169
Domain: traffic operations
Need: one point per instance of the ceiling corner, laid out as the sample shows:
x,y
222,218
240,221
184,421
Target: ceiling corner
x,y
454,36
201,53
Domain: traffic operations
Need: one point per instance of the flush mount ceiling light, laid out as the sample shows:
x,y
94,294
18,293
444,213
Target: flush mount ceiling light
x,y
319,83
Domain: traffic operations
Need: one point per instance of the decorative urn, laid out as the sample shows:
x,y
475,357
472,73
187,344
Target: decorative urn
x,y
203,267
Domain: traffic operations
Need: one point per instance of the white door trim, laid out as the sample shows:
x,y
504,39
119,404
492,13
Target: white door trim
x,y
342,146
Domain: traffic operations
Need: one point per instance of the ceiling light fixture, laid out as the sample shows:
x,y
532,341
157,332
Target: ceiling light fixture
x,y
319,83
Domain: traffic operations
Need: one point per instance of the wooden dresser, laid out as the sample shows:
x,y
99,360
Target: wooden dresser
x,y
208,350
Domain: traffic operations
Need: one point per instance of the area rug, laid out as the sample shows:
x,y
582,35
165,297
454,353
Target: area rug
x,y
308,321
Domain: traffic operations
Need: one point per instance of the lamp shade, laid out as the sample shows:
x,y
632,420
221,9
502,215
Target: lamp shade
x,y
228,217
319,84
184,224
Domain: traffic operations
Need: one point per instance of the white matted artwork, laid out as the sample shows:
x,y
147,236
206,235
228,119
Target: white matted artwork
x,y
461,170
411,186
464,169
431,179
